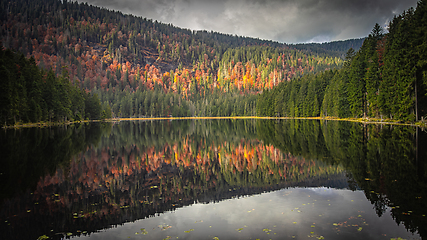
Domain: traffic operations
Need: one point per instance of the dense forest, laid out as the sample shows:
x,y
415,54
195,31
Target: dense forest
x,y
31,94
140,67
386,78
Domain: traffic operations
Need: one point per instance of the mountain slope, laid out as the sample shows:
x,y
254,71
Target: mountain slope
x,y
115,54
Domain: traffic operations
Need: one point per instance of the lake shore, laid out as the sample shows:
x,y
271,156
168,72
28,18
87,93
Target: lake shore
x,y
422,124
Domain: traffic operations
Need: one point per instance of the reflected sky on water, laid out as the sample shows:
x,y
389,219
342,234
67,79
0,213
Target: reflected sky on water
x,y
300,213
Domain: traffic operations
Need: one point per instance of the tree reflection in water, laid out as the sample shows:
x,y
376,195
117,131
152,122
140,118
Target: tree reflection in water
x,y
101,175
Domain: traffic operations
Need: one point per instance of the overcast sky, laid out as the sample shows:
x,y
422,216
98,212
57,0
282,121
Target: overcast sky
x,y
288,21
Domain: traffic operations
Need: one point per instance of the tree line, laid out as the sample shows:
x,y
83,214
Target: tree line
x,y
31,94
386,78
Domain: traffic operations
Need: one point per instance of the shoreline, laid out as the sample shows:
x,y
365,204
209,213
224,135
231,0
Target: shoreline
x,y
358,120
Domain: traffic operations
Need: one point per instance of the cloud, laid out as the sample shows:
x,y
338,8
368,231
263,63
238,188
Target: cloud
x,y
289,21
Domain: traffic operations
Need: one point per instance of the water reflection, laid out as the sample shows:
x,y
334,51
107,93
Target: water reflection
x,y
102,175
300,213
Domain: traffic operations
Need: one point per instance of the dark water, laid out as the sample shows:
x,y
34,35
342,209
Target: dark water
x,y
214,179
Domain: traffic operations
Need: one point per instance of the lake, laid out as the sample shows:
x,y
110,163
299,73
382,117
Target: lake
x,y
214,179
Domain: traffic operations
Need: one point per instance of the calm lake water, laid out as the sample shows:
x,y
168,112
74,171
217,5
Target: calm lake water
x,y
214,179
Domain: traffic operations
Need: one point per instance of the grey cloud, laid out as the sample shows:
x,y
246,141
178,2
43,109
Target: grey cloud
x,y
287,21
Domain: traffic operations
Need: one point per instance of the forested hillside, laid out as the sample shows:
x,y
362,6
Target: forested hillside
x,y
140,67
386,78
337,48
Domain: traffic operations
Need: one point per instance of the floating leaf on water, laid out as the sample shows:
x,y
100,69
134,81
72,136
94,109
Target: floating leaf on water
x,y
239,229
266,230
359,215
313,226
84,232
359,229
168,237
43,237
321,237
69,234
303,204
294,222
335,224
215,238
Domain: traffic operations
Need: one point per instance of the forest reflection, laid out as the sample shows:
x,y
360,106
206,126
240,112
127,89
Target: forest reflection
x,y
85,178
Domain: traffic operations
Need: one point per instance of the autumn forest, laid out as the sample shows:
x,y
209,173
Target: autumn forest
x,y
137,67
142,68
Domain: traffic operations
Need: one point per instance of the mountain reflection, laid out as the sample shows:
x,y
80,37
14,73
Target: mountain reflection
x,y
100,175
